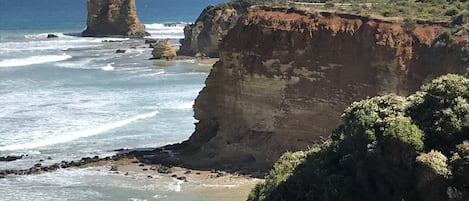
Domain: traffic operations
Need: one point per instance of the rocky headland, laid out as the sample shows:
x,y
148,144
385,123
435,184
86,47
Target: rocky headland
x,y
286,75
113,18
204,36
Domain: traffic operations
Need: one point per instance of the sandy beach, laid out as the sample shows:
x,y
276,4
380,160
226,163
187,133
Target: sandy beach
x,y
207,185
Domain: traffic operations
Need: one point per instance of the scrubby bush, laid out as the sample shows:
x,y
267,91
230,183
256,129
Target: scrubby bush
x,y
282,169
441,109
388,148
436,161
441,10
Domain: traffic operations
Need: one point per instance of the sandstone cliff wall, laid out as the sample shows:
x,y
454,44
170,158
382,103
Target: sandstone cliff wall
x,y
285,76
113,18
204,36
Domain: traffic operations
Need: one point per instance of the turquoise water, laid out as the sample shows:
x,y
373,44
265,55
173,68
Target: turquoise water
x,y
71,97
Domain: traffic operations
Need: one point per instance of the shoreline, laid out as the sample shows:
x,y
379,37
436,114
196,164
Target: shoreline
x,y
212,184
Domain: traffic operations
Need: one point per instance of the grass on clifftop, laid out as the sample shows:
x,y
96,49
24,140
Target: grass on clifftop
x,y
433,10
388,148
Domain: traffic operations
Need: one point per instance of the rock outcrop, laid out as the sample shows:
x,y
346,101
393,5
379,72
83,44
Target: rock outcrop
x,y
204,36
285,76
113,18
163,50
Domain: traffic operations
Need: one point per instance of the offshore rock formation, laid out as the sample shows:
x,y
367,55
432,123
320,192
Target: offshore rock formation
x,y
163,49
205,35
285,76
113,18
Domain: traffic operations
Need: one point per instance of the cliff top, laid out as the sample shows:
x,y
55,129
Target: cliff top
x,y
456,30
443,11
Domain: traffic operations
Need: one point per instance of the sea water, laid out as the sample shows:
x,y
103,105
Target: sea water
x,y
70,97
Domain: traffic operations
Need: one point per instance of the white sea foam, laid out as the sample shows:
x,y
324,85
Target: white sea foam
x,y
108,67
175,186
73,64
33,60
66,137
39,42
166,31
44,35
185,105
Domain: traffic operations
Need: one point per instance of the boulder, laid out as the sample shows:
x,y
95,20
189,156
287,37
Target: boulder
x,y
10,158
150,41
52,36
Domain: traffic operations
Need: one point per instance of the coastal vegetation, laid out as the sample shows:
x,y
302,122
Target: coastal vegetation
x,y
435,10
388,148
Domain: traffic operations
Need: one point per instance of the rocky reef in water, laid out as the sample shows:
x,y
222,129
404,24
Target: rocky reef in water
x,y
285,76
204,36
113,18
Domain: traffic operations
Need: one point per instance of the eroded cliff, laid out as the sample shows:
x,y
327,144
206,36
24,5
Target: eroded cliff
x,y
113,18
285,76
204,36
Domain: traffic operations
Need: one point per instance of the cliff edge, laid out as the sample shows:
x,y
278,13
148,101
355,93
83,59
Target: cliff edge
x,y
113,18
285,76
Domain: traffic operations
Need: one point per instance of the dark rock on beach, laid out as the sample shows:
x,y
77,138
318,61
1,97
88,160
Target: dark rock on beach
x,y
120,51
10,158
52,36
113,168
111,41
150,41
83,162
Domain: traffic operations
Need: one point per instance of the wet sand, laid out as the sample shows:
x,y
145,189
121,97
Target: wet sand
x,y
204,185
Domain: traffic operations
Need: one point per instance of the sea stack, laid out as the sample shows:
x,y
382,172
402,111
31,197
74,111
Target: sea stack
x,y
204,36
163,50
113,18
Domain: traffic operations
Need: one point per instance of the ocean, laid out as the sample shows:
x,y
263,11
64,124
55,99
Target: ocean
x,y
70,97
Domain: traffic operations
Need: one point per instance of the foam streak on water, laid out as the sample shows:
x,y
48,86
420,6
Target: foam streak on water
x,y
166,30
33,60
79,134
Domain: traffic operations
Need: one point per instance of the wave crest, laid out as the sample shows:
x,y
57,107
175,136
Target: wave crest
x,y
66,137
33,60
166,30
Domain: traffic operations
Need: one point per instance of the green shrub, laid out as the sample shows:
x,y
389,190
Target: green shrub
x,y
329,5
376,153
441,110
409,25
403,131
282,169
434,160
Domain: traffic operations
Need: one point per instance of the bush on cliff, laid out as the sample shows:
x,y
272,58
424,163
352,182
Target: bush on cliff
x,y
440,10
389,148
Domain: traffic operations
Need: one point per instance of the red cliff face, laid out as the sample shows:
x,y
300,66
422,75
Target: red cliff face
x,y
285,76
